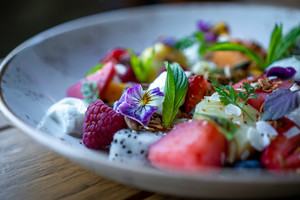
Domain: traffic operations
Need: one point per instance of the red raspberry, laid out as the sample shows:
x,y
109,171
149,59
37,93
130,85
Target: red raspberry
x,y
100,124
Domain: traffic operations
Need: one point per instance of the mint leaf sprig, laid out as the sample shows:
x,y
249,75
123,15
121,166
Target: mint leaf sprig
x,y
176,86
140,68
278,46
228,95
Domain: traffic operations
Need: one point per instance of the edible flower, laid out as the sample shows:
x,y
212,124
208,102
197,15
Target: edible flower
x,y
281,72
138,104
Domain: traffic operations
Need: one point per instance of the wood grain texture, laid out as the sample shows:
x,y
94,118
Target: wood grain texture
x,y
30,171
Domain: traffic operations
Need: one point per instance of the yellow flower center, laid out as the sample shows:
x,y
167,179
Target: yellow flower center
x,y
146,98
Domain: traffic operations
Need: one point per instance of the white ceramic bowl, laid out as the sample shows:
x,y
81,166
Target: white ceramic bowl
x,y
38,72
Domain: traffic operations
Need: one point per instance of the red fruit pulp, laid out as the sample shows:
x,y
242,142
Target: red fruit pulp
x,y
190,147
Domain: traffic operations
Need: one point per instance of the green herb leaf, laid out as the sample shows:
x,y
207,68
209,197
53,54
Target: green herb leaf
x,y
90,91
140,69
175,89
287,41
184,43
228,95
226,126
203,43
94,69
228,46
278,47
276,39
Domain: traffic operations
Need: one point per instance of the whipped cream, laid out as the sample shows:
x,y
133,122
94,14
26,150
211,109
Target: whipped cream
x,y
68,113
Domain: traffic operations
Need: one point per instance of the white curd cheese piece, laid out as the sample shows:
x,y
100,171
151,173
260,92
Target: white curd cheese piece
x,y
292,132
257,140
231,109
68,113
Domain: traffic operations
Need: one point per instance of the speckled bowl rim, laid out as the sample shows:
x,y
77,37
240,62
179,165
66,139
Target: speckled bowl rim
x,y
101,159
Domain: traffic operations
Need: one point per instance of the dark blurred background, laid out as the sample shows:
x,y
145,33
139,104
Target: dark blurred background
x,y
22,19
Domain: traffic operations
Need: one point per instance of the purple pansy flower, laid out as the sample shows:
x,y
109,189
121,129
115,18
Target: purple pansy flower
x,y
167,40
139,105
203,25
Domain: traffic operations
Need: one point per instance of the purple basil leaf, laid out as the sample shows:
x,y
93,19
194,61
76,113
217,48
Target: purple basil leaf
x,y
279,103
281,72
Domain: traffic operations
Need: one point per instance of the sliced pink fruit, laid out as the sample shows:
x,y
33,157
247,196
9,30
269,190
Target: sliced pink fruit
x,y
190,147
75,91
259,101
102,77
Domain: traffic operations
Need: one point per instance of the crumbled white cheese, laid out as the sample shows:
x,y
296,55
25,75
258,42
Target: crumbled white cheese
x,y
257,140
292,132
214,97
231,109
68,113
265,128
295,87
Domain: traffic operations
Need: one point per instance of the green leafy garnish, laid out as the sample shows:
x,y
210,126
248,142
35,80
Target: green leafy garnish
x,y
228,46
228,128
278,46
228,95
188,41
90,92
287,41
175,89
94,69
140,68
276,38
184,43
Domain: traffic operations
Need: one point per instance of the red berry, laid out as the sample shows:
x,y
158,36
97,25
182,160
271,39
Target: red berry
x,y
283,152
190,147
115,55
100,124
259,101
103,77
197,88
121,56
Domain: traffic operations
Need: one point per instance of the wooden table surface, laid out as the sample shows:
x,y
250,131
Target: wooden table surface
x,y
30,171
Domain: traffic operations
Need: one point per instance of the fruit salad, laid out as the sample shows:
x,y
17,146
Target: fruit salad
x,y
203,101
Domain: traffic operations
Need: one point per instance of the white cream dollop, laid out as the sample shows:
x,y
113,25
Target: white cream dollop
x,y
68,113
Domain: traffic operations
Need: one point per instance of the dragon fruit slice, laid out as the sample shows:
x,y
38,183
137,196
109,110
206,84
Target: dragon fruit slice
x,y
130,146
